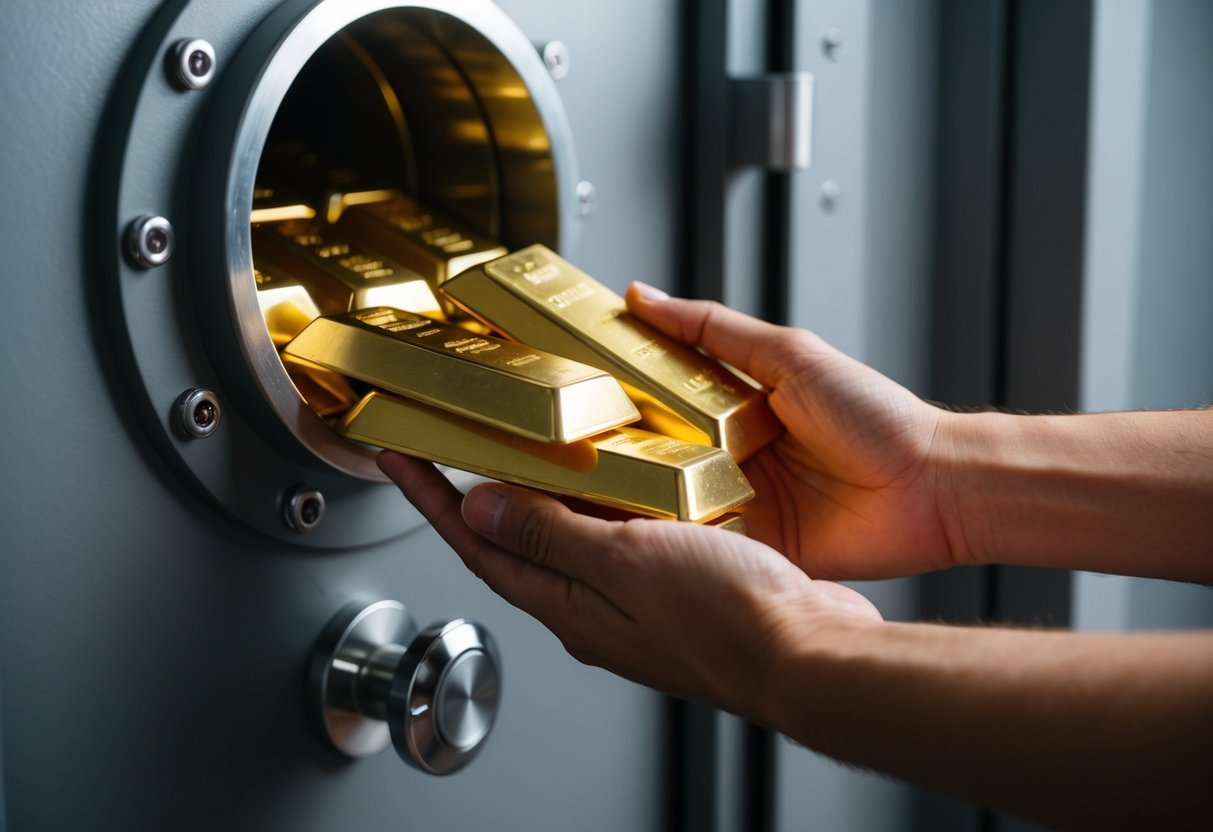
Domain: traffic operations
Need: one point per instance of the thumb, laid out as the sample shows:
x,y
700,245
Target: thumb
x,y
765,351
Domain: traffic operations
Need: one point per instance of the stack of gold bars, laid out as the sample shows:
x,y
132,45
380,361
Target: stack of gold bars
x,y
383,312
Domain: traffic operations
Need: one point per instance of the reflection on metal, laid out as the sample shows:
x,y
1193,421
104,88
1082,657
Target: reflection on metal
x,y
771,121
192,64
433,695
731,523
510,386
149,241
634,470
275,204
536,297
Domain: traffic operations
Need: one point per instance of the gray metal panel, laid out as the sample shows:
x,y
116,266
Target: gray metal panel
x,y
861,276
152,652
1149,275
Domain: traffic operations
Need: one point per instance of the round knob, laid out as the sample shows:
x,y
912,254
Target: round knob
x,y
444,698
434,700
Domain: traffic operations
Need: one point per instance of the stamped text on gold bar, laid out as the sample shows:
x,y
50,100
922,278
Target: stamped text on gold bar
x,y
341,274
511,386
536,297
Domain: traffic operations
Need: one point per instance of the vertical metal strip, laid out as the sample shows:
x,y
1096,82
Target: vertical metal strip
x,y
708,146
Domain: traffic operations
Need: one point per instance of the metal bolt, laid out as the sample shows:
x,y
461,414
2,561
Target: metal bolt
x,y
556,58
192,64
587,198
831,44
831,192
198,412
303,509
149,241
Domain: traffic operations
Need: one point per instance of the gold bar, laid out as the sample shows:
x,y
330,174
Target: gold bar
x,y
287,309
273,204
330,189
514,387
730,523
630,469
433,245
536,297
285,303
341,274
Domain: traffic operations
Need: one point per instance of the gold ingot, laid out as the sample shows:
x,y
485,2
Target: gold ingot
x,y
730,523
433,245
510,386
536,297
631,469
274,204
285,303
341,274
287,309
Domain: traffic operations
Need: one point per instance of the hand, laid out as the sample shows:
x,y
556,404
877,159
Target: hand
x,y
855,488
694,611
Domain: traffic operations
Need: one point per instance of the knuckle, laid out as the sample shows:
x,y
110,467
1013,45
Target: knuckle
x,y
535,536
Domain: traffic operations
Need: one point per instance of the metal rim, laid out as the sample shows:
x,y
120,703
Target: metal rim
x,y
287,59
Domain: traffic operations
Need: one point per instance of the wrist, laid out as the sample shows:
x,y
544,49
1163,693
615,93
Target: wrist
x,y
972,448
807,645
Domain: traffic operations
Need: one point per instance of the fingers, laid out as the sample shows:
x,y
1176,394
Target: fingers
x,y
539,591
755,347
541,530
539,579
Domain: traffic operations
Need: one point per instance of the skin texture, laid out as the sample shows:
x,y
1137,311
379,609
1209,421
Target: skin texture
x,y
1068,729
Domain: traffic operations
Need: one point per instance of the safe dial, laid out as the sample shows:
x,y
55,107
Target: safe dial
x,y
432,694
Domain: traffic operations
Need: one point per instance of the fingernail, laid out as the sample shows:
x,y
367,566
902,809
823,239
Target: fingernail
x,y
482,509
650,292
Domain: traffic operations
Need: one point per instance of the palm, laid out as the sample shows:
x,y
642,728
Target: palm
x,y
848,492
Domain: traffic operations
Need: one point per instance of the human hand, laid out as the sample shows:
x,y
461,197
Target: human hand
x,y
694,611
856,488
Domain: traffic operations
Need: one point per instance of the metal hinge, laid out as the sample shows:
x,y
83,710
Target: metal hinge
x,y
771,121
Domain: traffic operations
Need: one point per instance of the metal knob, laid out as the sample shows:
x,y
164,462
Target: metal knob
x,y
434,700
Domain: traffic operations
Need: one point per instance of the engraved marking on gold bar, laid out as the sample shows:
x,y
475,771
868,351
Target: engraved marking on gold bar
x,y
435,246
634,470
342,274
535,297
511,386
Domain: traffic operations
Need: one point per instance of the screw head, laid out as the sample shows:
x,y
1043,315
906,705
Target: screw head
x,y
831,44
149,241
831,192
192,64
198,413
303,509
587,198
556,59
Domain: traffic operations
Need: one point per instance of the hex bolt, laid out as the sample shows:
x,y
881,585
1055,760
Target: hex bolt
x,y
831,192
149,241
556,59
587,198
198,412
303,509
831,44
191,64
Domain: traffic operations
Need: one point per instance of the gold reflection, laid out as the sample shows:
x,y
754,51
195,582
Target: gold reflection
x,y
630,469
510,386
536,297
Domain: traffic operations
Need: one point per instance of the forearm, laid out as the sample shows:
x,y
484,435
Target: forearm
x,y
1130,493
1070,730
